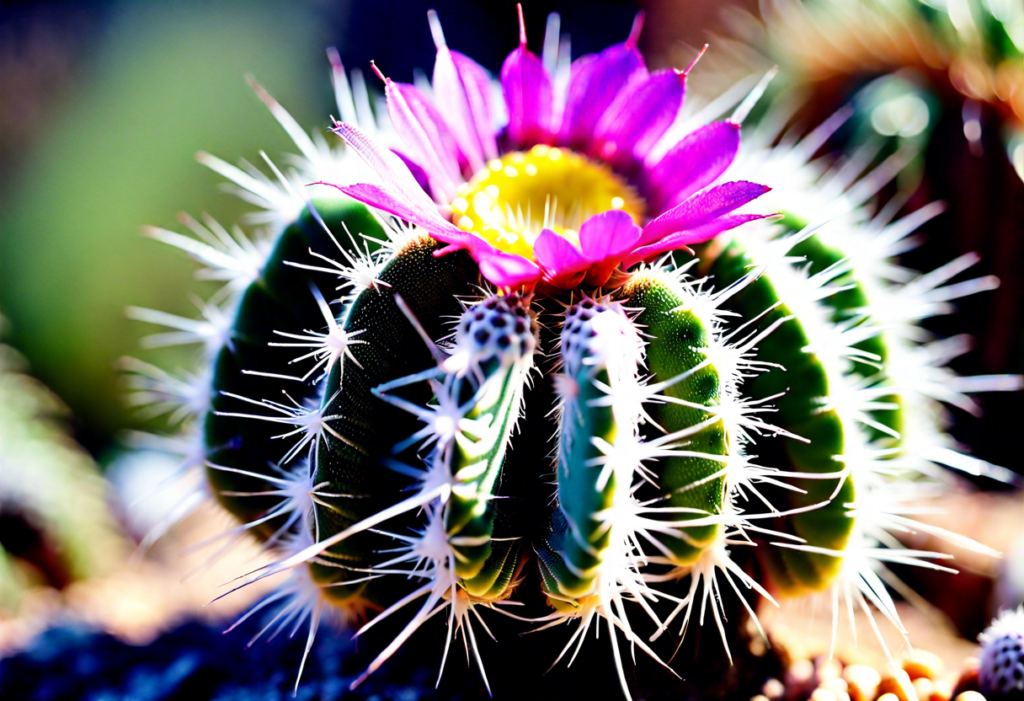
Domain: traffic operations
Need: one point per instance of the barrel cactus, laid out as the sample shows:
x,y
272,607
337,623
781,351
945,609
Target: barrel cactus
x,y
531,379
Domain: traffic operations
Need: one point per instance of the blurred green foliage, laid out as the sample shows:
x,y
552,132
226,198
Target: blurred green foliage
x,y
164,81
55,526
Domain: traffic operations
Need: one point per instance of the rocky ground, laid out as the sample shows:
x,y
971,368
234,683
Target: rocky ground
x,y
143,633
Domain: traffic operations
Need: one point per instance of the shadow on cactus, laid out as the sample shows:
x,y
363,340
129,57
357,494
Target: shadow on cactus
x,y
527,402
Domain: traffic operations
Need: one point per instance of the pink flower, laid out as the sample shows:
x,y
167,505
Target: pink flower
x,y
583,158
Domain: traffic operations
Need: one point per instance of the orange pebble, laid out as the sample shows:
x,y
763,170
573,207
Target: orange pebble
x,y
970,696
921,663
923,686
942,690
899,686
862,681
773,689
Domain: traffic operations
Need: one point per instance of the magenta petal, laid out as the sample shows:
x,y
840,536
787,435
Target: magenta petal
x,y
638,117
698,234
702,208
462,90
692,164
555,253
563,264
418,173
527,89
605,239
399,193
386,198
594,83
427,138
609,234
477,82
394,175
508,270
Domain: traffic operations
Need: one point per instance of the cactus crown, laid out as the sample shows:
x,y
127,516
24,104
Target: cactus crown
x,y
519,386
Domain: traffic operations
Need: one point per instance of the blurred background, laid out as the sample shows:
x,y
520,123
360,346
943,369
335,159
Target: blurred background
x,y
103,106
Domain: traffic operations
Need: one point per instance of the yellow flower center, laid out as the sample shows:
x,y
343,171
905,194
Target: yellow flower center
x,y
515,197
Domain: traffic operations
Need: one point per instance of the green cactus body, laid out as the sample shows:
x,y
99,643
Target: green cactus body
x,y
280,299
599,351
851,306
647,469
491,383
803,411
351,460
679,343
663,473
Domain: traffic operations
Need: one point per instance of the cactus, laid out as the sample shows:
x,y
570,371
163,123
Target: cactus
x,y
1001,674
530,379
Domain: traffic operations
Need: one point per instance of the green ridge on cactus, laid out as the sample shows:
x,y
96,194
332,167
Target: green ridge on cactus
x,y
502,327
353,465
281,299
579,536
559,583
496,577
850,305
803,386
677,343
578,493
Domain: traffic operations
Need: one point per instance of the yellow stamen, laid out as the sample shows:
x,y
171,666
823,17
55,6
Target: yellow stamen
x,y
514,198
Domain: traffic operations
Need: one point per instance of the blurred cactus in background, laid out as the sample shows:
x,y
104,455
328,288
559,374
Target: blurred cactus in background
x,y
965,51
1001,674
55,523
937,84
117,145
478,366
